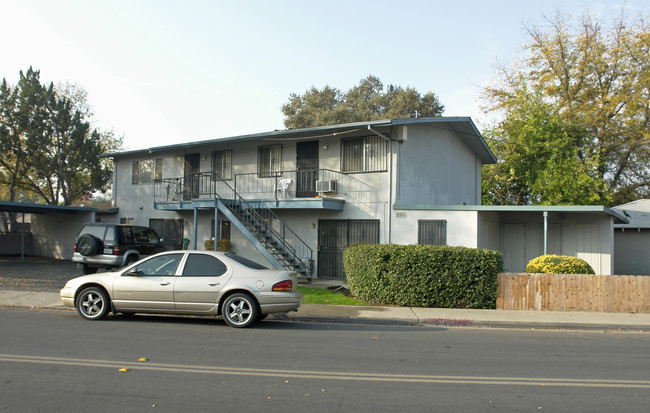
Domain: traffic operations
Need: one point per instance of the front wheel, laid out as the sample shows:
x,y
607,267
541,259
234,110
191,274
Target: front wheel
x,y
93,303
239,310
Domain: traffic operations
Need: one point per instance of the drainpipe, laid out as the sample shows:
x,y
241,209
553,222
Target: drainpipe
x,y
545,232
390,186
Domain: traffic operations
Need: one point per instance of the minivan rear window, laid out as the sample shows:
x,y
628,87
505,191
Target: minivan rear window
x,y
94,230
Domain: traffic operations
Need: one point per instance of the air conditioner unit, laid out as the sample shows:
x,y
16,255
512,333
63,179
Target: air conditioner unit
x,y
327,187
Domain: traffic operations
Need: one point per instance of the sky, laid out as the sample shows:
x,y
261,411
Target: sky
x,y
160,72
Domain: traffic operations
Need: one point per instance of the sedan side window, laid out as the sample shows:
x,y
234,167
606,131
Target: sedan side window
x,y
203,265
163,265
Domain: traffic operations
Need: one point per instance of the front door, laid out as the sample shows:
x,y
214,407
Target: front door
x,y
148,285
307,169
335,235
191,175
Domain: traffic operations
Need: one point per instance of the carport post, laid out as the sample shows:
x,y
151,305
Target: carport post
x,y
216,228
545,232
196,220
22,241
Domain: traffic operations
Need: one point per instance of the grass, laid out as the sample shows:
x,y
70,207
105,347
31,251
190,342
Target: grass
x,y
328,297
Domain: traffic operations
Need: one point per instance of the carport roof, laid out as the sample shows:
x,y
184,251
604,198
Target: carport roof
x,y
619,217
42,209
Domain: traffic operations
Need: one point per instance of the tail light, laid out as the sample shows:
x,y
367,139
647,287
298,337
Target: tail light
x,y
74,247
285,285
116,250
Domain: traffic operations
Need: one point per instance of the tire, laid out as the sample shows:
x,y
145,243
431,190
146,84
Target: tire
x,y
93,303
88,245
239,310
88,269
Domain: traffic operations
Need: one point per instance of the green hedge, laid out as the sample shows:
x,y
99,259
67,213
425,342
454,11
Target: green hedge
x,y
423,275
559,264
223,245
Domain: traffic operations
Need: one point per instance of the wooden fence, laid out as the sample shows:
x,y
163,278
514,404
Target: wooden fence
x,y
571,292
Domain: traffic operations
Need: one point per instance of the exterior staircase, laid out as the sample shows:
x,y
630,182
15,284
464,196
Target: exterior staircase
x,y
271,236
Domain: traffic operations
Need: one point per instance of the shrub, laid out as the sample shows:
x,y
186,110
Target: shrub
x,y
223,245
423,275
559,264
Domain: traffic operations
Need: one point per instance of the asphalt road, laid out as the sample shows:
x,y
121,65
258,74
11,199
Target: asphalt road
x,y
54,361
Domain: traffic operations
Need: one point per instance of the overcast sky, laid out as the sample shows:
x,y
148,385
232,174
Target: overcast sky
x,y
163,72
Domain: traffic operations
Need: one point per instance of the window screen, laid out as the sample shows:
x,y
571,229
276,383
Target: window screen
x,y
269,161
432,232
364,154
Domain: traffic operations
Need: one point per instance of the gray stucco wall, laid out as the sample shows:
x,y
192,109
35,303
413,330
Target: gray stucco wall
x,y
437,168
53,234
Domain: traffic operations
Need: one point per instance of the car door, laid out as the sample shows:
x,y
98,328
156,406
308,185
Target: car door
x,y
148,286
197,287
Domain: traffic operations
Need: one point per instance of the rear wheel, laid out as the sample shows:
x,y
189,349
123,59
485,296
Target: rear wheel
x,y
93,303
239,310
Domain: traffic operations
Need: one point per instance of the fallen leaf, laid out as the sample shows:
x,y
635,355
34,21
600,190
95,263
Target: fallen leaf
x,y
124,369
143,359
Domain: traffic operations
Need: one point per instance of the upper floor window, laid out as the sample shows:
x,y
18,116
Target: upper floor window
x,y
222,164
146,171
269,161
364,154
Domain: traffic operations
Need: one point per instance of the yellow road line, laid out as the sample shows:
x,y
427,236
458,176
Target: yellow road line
x,y
329,375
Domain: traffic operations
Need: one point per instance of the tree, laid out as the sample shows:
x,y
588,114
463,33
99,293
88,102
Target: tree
x,y
49,147
595,86
538,159
367,101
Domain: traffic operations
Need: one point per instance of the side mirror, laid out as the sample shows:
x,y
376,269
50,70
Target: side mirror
x,y
134,273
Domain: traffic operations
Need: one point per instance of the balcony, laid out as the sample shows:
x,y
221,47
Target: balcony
x,y
313,189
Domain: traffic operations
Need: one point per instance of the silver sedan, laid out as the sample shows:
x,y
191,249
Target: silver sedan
x,y
187,282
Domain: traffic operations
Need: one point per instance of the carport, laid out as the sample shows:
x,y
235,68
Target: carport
x,y
53,228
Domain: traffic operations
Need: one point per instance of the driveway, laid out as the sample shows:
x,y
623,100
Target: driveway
x,y
36,273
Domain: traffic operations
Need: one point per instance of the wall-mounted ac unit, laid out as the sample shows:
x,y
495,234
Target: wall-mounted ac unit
x,y
327,187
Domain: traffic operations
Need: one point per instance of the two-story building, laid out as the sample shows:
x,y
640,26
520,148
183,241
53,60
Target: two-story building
x,y
297,198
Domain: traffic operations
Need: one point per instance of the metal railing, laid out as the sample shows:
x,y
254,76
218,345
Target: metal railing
x,y
277,237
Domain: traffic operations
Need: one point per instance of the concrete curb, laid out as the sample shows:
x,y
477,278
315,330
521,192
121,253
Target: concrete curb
x,y
428,317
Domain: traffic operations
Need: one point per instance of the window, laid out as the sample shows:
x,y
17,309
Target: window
x,y
170,230
198,265
146,171
433,232
127,221
224,229
163,265
244,261
269,161
222,164
364,154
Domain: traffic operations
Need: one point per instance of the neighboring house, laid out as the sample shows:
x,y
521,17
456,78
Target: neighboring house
x,y
632,240
298,198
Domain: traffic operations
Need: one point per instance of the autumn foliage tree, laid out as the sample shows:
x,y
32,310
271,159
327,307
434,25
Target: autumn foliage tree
x,y
574,116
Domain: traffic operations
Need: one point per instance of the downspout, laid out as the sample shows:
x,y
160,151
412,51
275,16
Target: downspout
x,y
390,186
545,232
216,228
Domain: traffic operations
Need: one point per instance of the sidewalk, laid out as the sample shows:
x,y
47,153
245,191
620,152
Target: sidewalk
x,y
410,316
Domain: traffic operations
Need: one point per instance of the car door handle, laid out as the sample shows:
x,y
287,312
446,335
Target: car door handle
x,y
165,283
213,284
